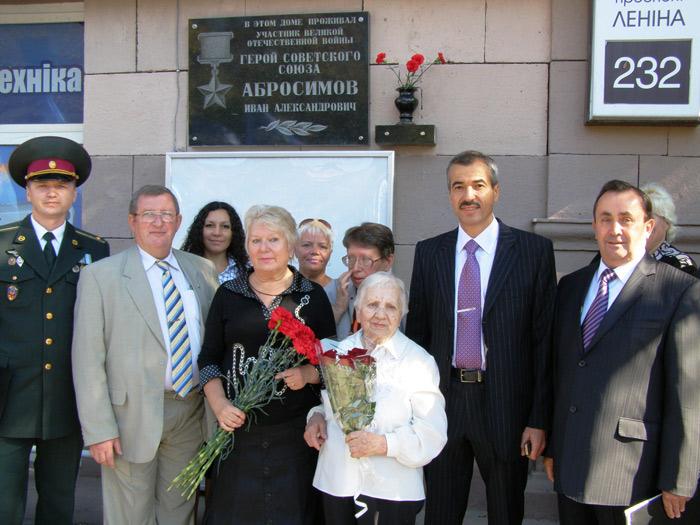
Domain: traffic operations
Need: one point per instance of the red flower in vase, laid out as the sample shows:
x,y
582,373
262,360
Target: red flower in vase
x,y
416,66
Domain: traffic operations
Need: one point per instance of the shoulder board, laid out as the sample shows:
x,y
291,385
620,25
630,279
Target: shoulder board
x,y
90,236
8,227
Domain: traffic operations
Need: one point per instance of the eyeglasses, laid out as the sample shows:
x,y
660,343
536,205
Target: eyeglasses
x,y
322,221
151,216
364,262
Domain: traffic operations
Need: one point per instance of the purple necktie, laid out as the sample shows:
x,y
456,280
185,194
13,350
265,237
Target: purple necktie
x,y
598,309
468,351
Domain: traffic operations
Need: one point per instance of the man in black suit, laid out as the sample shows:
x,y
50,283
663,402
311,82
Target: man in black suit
x,y
626,422
481,303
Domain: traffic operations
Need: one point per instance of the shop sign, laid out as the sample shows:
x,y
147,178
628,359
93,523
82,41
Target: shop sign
x,y
41,73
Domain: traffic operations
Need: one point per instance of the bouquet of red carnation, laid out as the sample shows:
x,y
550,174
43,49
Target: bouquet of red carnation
x,y
289,344
415,68
350,379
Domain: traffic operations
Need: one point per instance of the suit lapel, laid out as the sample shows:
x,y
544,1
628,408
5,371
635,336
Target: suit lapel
x,y
139,289
502,264
27,245
633,289
445,272
69,253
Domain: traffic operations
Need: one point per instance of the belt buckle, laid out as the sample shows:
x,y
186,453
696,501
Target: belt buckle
x,y
465,373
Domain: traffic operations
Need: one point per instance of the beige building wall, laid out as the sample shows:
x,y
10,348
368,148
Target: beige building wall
x,y
515,88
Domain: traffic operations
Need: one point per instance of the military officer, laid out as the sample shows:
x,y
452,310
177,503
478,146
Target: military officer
x,y
40,262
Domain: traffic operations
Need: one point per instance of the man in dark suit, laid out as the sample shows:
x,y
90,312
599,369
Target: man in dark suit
x,y
41,258
481,304
626,422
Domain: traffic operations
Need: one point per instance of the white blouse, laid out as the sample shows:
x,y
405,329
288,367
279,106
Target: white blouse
x,y
410,413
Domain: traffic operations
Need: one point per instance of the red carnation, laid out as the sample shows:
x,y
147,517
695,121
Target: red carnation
x,y
381,57
412,66
418,58
305,342
441,58
280,317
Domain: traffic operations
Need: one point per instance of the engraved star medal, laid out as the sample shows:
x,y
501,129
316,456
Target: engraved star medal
x,y
216,50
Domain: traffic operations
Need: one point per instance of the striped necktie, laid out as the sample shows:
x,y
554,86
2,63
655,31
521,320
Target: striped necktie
x,y
180,353
597,310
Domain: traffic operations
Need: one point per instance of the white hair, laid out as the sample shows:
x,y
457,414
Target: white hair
x,y
662,205
382,280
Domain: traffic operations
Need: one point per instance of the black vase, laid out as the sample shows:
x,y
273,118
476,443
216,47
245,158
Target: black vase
x,y
406,103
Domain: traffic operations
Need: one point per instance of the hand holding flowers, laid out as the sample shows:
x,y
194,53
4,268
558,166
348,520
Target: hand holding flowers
x,y
290,344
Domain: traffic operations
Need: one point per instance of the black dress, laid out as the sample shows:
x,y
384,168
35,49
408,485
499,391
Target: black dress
x,y
267,477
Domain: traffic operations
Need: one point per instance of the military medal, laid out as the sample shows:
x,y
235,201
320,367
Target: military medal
x,y
12,292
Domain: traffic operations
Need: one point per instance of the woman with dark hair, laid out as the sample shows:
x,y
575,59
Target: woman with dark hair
x,y
217,234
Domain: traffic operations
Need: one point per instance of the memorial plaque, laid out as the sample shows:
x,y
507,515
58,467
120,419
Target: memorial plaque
x,y
279,80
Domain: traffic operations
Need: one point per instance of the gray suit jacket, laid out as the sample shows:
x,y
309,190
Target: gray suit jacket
x,y
119,356
627,412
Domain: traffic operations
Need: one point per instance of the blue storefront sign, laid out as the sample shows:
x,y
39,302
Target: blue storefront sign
x,y
41,73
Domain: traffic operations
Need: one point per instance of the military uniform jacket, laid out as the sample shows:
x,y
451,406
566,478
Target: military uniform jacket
x,y
36,329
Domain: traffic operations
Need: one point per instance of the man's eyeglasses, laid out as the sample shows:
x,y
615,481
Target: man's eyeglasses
x,y
364,262
151,216
322,221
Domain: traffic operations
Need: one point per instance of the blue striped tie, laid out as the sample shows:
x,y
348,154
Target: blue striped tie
x,y
180,354
598,309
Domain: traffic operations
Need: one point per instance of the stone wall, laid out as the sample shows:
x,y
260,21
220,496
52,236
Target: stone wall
x,y
515,87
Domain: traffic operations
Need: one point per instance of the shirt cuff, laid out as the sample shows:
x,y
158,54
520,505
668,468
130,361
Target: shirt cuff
x,y
392,445
315,410
208,373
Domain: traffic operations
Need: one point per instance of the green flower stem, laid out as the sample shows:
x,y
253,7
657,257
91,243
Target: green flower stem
x,y
259,389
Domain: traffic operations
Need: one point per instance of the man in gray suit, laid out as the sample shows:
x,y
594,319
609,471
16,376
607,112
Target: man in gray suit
x,y
139,318
627,405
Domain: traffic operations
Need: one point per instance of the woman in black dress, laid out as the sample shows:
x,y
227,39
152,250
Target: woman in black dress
x,y
267,477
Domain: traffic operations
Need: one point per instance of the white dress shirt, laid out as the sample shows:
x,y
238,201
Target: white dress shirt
x,y
410,413
623,273
190,305
487,241
57,233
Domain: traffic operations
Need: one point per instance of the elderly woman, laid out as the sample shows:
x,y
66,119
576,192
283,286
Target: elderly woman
x,y
267,477
409,427
217,234
313,251
664,232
